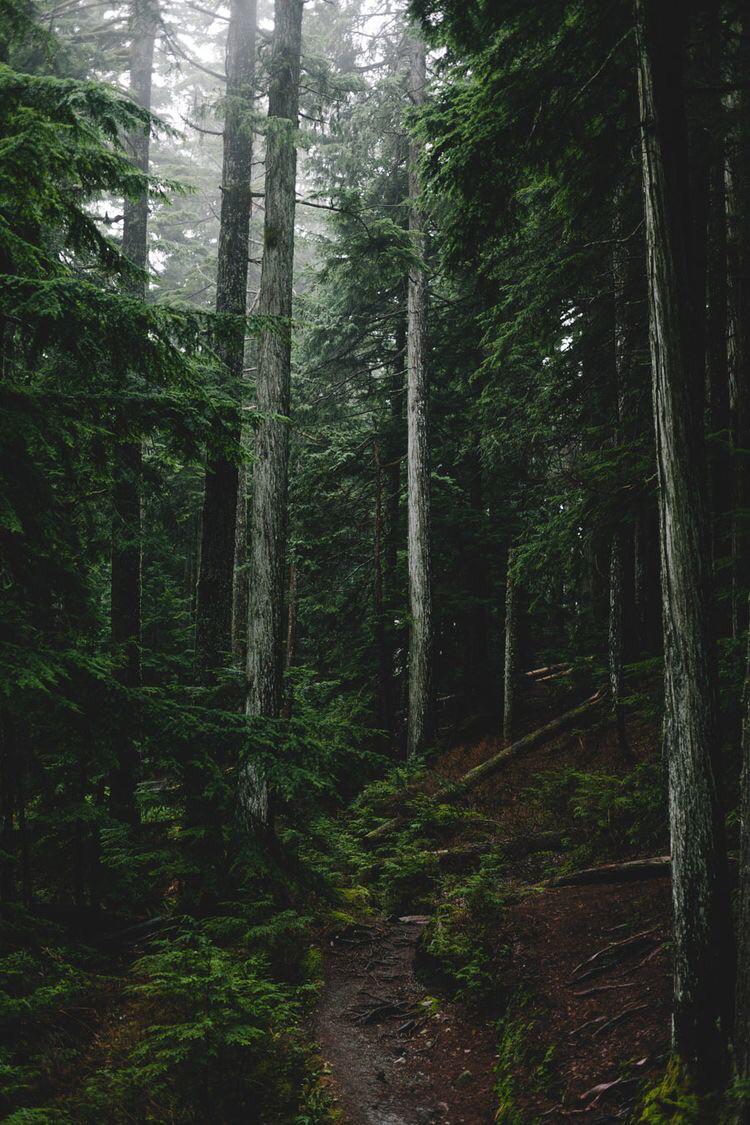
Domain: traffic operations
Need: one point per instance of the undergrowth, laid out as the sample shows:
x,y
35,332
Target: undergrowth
x,y
520,1051
607,815
210,1027
467,935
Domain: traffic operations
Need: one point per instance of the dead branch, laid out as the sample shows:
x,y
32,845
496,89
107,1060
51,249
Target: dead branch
x,y
534,672
656,867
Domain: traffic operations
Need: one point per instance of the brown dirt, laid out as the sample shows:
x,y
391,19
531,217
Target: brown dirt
x,y
607,1026
395,1056
606,1034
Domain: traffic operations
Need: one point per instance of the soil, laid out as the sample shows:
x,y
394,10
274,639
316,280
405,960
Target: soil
x,y
592,963
606,1020
397,1056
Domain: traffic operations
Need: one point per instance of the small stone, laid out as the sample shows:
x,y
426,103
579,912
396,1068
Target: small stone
x,y
463,1079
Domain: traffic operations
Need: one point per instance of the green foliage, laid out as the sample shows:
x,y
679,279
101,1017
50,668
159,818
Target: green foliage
x,y
673,1100
520,1059
467,934
44,981
607,814
216,1039
211,1025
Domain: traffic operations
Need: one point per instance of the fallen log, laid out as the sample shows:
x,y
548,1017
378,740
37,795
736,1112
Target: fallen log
x,y
534,672
553,676
656,867
452,790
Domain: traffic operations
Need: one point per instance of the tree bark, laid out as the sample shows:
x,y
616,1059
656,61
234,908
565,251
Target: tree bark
x,y
240,578
125,608
647,580
213,627
479,683
270,469
421,721
717,378
702,932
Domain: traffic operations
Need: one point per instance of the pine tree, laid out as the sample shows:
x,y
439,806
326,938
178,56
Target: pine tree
x,y
273,385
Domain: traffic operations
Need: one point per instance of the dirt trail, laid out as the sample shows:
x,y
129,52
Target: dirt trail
x,y
398,1057
586,972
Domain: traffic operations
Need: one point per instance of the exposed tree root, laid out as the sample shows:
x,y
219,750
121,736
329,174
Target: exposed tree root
x,y
613,954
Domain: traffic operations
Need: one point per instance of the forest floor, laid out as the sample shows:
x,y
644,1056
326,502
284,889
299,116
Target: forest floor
x,y
576,1023
399,1056
461,984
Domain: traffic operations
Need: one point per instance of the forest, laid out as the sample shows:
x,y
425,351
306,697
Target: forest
x,y
375,561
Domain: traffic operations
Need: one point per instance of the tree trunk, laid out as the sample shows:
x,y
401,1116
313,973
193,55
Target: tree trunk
x,y
421,702
616,643
213,627
702,930
125,609
478,774
270,469
717,382
739,278
510,664
240,577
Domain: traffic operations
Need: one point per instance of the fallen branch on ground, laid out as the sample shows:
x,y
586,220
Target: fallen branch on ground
x,y
656,867
534,672
553,676
452,790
